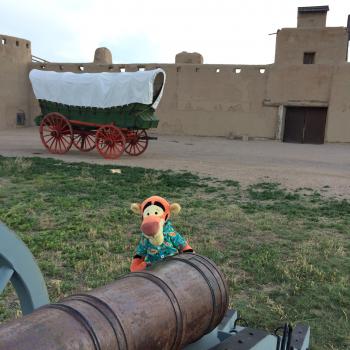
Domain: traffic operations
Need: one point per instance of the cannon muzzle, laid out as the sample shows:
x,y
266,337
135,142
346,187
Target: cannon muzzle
x,y
171,305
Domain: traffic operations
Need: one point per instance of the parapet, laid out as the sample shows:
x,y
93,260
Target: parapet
x,y
103,56
12,41
189,57
13,48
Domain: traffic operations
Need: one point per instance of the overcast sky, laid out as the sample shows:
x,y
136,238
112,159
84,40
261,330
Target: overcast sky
x,y
223,31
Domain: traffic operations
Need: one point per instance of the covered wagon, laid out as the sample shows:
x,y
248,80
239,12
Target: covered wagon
x,y
109,111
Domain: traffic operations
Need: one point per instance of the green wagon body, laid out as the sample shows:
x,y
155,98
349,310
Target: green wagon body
x,y
132,116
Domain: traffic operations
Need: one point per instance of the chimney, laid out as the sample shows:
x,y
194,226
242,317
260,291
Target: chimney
x,y
312,16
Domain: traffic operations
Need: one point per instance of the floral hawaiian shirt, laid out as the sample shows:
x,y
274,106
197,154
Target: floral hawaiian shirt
x,y
173,242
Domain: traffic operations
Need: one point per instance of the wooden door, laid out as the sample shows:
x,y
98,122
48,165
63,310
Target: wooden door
x,y
305,124
294,125
315,125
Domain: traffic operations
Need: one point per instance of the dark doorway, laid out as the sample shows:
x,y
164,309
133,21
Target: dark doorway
x,y
305,124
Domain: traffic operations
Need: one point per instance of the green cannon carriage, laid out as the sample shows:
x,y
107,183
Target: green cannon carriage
x,y
109,111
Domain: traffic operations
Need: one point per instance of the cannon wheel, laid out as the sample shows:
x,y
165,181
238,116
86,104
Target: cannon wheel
x,y
17,266
84,141
110,141
137,143
56,133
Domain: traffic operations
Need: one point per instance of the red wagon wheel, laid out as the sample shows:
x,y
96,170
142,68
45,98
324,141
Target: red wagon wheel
x,y
137,143
56,133
110,141
84,141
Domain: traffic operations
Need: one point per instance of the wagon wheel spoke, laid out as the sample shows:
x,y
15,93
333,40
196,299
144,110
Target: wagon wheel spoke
x,y
56,133
137,143
65,142
52,142
138,148
84,141
54,145
59,146
53,123
88,142
50,124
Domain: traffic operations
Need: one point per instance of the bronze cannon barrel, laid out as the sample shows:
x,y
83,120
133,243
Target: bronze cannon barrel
x,y
173,304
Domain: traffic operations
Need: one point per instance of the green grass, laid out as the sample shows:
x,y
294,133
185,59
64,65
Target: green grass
x,y
286,255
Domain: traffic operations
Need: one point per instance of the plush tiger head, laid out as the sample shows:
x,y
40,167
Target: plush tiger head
x,y
155,212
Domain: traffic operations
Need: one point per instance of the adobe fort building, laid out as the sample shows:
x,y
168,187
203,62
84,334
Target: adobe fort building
x,y
304,96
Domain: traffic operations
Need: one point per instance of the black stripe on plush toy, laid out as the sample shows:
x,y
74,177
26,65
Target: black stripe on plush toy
x,y
160,205
147,205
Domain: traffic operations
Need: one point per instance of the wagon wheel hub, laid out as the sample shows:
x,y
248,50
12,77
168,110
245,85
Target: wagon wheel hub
x,y
135,140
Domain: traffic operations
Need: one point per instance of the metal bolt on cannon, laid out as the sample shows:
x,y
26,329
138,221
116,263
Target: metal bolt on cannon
x,y
181,303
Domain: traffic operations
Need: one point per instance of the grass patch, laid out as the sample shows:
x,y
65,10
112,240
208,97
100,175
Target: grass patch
x,y
285,254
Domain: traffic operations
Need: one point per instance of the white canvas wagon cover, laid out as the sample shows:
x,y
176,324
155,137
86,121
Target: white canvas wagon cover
x,y
102,90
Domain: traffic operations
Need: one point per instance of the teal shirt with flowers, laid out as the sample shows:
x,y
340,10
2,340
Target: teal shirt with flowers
x,y
173,242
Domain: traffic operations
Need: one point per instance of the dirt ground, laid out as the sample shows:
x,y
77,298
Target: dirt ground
x,y
321,167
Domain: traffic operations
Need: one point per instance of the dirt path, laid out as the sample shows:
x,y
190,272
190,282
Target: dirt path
x,y
321,167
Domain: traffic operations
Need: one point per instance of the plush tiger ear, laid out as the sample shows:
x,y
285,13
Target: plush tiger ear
x,y
136,208
175,208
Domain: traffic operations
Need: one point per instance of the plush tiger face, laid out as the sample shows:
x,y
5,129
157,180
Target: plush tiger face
x,y
155,212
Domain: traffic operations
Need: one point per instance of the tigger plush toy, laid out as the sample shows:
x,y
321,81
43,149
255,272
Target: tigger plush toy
x,y
158,238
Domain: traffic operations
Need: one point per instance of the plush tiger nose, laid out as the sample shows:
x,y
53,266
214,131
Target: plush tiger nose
x,y
150,228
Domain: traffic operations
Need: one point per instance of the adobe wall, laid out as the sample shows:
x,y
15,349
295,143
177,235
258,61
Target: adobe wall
x,y
206,100
219,100
330,45
308,83
338,120
15,56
